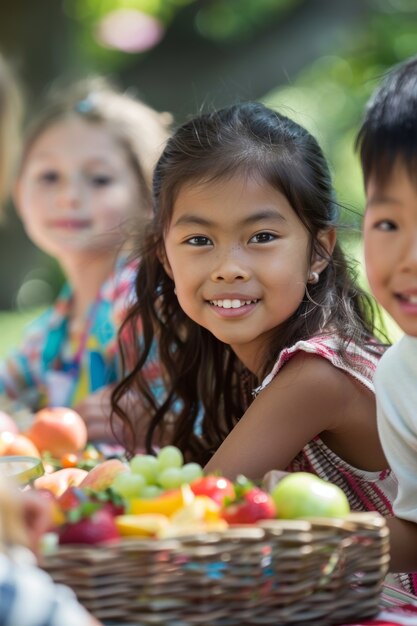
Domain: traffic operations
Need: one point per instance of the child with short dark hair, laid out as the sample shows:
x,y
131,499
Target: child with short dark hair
x,y
387,141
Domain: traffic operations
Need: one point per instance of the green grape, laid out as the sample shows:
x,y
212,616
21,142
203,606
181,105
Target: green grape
x,y
170,478
145,465
151,491
170,456
128,485
191,471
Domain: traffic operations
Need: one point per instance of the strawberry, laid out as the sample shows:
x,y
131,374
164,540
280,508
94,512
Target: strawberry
x,y
72,498
250,505
98,527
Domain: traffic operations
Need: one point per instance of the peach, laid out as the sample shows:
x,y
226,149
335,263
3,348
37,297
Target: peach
x,y
7,423
58,430
59,481
12,444
103,474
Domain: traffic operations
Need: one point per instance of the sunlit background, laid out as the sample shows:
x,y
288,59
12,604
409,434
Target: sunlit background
x,y
316,60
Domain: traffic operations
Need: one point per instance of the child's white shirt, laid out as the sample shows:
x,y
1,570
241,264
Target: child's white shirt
x,y
396,393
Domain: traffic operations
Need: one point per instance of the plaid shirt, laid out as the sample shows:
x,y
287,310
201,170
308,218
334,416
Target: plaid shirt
x,y
48,370
29,597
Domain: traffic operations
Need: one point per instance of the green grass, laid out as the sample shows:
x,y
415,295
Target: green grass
x,y
12,324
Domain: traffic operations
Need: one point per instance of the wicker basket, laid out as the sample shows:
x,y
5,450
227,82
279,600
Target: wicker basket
x,y
283,572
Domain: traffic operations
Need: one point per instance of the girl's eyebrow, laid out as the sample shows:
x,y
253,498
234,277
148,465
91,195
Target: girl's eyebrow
x,y
189,219
94,159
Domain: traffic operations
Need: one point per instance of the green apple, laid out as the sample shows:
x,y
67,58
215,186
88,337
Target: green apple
x,y
301,495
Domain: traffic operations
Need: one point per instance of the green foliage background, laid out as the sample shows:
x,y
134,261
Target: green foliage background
x,y
328,95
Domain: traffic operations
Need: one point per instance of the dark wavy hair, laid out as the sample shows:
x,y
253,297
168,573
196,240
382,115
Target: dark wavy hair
x,y
202,375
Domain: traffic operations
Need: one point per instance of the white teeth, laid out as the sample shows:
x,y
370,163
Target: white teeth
x,y
231,304
412,299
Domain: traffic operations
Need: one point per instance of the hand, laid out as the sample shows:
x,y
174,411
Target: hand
x,y
95,410
272,478
37,515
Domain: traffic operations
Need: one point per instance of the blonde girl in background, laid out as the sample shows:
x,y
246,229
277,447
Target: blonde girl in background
x,y
28,596
84,173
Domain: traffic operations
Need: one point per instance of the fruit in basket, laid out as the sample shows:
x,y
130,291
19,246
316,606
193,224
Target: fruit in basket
x,y
170,456
98,527
250,504
303,495
7,423
128,485
72,498
215,487
102,475
12,444
59,481
147,466
146,525
58,430
165,504
166,470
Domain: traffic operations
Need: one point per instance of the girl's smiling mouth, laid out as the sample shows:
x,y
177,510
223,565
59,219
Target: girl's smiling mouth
x,y
233,306
235,303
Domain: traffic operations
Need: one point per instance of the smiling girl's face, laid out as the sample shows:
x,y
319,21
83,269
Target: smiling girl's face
x,y
76,189
240,260
390,237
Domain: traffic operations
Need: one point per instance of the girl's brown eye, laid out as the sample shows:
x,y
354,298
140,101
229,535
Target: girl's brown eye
x,y
49,177
263,238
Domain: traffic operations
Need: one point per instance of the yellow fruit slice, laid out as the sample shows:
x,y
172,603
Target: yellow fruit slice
x,y
201,509
147,525
166,504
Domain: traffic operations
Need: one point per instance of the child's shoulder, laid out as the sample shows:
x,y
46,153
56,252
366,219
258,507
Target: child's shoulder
x,y
399,363
347,356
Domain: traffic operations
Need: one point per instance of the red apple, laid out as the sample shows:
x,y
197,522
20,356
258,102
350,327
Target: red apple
x,y
12,444
103,474
58,430
59,481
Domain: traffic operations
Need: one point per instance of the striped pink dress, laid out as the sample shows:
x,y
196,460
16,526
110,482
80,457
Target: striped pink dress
x,y
366,491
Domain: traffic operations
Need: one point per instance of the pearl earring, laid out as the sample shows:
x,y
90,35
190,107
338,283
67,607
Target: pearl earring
x,y
313,278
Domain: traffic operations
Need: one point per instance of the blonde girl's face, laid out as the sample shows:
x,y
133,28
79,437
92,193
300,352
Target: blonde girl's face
x,y
240,260
77,190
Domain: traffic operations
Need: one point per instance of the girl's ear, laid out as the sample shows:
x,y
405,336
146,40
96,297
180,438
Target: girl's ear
x,y
163,259
327,241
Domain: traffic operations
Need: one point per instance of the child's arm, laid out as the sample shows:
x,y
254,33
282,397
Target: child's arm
x,y
95,409
308,397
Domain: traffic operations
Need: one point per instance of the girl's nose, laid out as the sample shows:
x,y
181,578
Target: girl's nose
x,y
69,194
230,268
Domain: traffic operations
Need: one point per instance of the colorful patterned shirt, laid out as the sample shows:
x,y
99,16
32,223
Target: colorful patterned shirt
x,y
48,370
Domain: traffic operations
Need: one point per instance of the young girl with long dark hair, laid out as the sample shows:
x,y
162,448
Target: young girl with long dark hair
x,y
266,341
